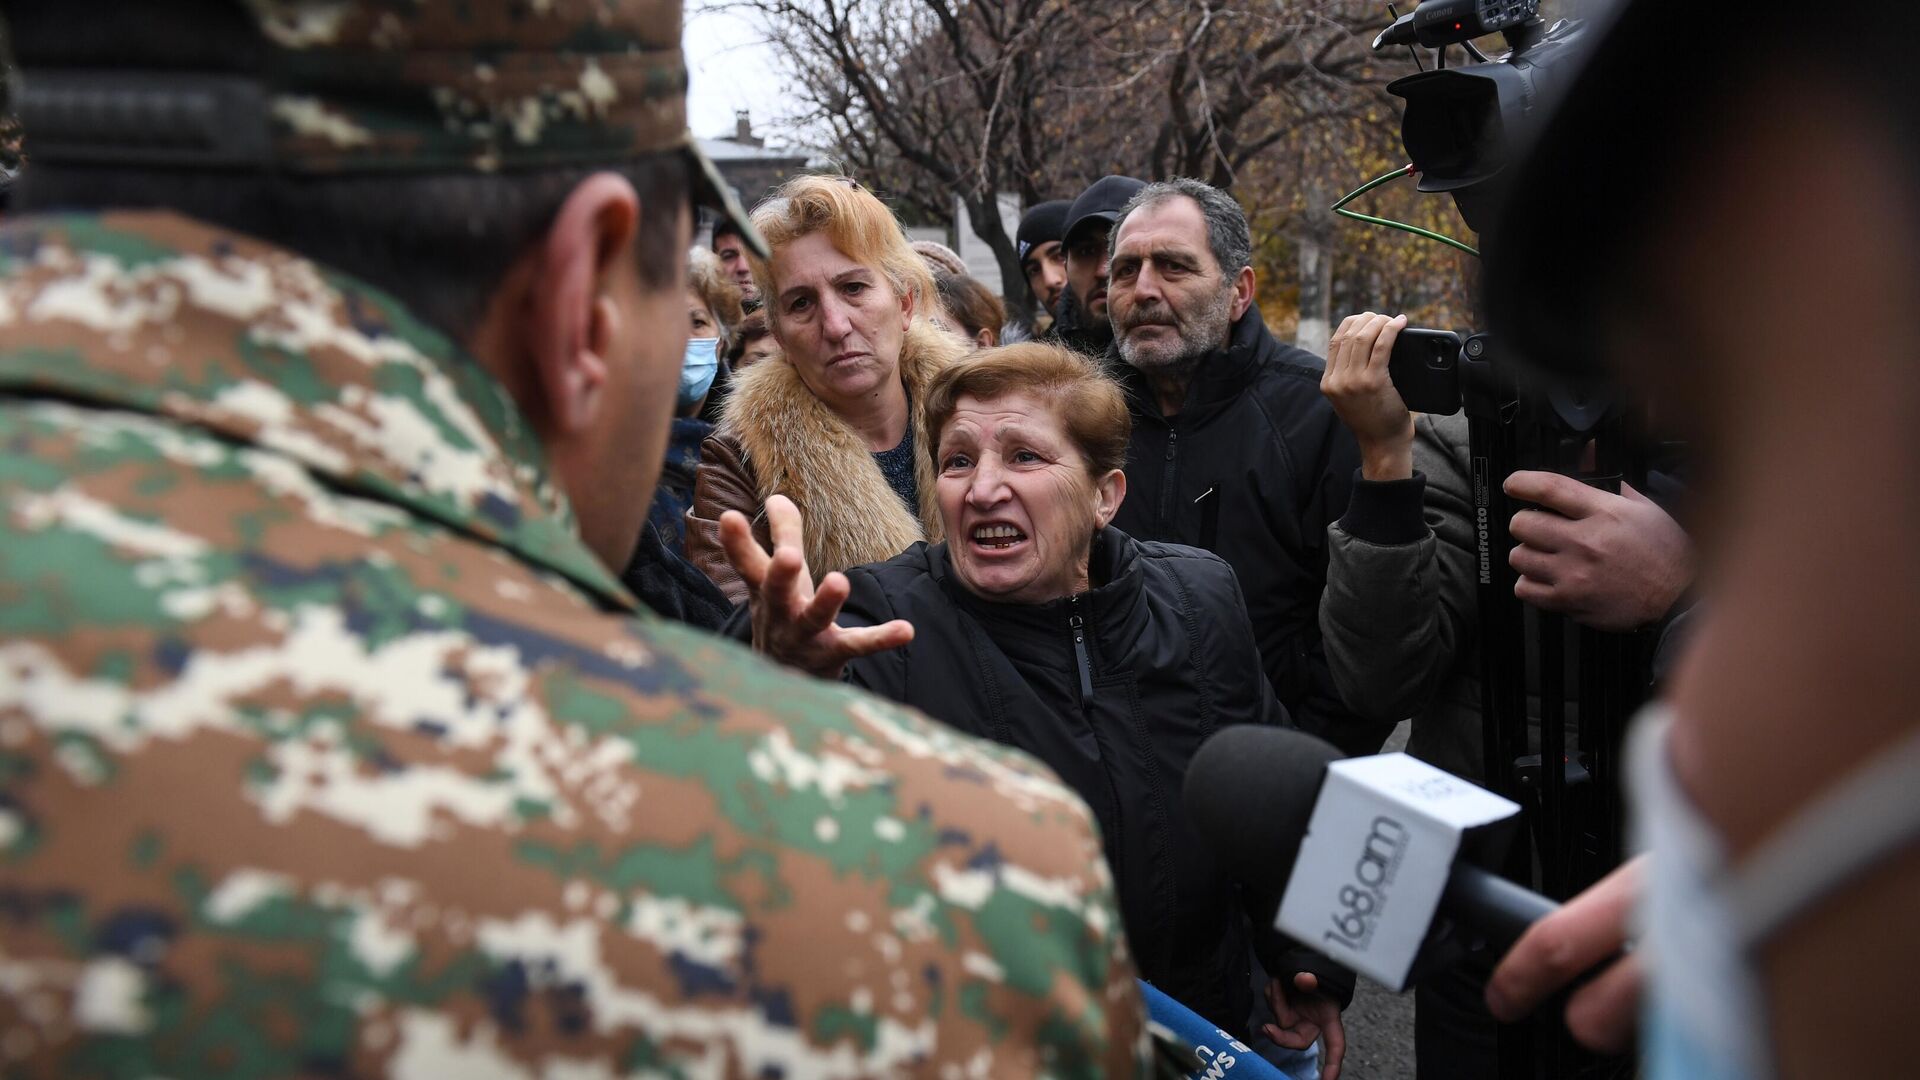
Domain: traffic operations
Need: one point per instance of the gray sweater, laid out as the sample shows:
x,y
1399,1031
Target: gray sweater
x,y
1399,615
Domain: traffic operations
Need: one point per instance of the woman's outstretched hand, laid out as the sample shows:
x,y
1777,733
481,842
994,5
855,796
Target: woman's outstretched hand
x,y
792,618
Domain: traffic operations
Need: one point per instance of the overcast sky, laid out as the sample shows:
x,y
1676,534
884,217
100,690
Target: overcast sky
x,y
731,67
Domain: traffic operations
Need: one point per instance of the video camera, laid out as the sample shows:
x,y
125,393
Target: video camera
x,y
1461,124
1460,129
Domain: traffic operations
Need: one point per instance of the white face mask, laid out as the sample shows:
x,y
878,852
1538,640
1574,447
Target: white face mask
x,y
1703,922
697,370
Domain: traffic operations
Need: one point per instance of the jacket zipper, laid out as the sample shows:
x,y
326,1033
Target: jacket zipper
x,y
1166,485
1117,841
1079,627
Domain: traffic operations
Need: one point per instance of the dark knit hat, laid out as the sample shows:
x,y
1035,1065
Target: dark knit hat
x,y
1042,224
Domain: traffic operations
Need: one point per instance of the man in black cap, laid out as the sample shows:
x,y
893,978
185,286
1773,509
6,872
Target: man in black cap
x,y
1745,255
1081,319
1041,257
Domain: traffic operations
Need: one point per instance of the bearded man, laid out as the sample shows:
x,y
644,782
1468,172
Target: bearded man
x,y
1234,449
1080,316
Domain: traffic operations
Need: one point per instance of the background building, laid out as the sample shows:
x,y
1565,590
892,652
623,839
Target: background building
x,y
749,166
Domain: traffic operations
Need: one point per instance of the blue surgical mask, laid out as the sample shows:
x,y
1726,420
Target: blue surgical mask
x,y
1704,917
699,368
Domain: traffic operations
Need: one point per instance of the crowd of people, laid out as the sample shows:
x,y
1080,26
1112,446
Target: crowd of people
x,y
1101,559
456,624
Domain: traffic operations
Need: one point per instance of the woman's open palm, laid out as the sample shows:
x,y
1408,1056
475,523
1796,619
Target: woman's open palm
x,y
793,620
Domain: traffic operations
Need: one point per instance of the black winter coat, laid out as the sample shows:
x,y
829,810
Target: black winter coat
x,y
665,581
1254,467
1114,689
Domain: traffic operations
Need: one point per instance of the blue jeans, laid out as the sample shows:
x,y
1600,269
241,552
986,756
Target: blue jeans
x,y
1297,1064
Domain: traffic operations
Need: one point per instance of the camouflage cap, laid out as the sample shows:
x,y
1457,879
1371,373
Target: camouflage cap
x,y
358,86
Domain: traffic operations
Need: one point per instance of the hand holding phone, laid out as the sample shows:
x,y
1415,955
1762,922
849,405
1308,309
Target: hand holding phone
x,y
1358,385
1425,368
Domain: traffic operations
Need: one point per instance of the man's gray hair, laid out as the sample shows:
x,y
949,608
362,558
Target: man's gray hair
x,y
1227,233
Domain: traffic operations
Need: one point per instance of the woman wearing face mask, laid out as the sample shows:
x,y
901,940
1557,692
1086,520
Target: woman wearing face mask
x,y
1037,624
713,313
831,425
659,573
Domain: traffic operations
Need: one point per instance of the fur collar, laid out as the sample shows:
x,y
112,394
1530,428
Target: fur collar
x,y
798,447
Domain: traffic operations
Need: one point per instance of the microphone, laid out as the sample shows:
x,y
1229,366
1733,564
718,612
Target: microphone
x,y
1360,858
1399,32
1206,1052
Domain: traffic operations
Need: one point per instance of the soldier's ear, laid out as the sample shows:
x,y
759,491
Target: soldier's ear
x,y
574,319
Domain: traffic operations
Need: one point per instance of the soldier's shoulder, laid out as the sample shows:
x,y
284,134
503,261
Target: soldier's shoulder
x,y
338,735
178,262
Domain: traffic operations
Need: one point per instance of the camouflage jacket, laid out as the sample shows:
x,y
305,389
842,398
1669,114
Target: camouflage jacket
x,y
327,749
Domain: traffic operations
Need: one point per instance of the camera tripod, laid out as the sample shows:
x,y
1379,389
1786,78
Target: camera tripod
x,y
1574,813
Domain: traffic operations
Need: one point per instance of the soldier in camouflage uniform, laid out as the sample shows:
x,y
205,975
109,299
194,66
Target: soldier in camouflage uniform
x,y
329,747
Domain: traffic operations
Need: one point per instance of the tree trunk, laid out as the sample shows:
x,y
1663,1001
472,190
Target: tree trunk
x,y
1315,246
1314,239
984,213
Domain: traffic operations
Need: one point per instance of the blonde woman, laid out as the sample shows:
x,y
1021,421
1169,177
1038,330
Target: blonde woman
x,y
833,423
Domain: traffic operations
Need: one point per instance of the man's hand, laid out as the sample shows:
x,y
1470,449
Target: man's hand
x,y
1305,1014
793,621
1360,388
1612,562
1564,945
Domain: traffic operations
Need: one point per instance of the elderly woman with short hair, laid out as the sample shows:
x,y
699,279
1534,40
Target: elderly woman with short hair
x,y
832,424
1038,624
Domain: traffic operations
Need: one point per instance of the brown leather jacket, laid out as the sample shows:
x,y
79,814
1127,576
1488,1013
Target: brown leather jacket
x,y
776,437
725,482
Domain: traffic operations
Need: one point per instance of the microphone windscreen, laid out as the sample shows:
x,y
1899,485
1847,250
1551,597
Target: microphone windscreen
x,y
1249,794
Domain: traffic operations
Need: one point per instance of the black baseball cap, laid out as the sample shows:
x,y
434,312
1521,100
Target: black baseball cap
x,y
1043,224
1102,201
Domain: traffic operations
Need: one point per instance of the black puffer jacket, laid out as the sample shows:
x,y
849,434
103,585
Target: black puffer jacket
x,y
1254,467
1114,689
